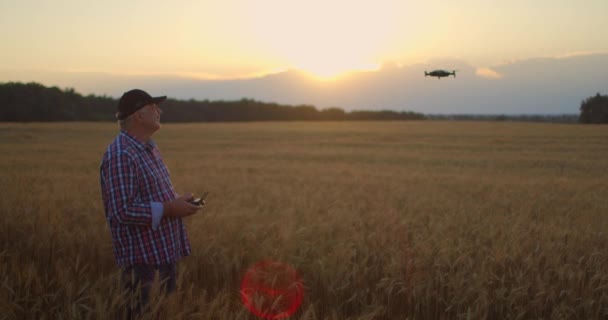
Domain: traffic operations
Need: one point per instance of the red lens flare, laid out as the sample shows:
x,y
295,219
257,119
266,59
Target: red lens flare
x,y
272,290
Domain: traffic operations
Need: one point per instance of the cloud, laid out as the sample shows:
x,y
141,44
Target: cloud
x,y
580,54
488,73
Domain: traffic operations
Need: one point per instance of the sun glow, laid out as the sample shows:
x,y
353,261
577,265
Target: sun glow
x,y
332,70
325,38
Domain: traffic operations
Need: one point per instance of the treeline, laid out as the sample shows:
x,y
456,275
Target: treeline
x,y
557,118
594,109
35,102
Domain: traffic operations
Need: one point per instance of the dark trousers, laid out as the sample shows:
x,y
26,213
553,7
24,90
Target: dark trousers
x,y
137,281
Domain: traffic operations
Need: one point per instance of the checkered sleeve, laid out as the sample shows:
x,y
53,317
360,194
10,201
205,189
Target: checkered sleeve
x,y
121,192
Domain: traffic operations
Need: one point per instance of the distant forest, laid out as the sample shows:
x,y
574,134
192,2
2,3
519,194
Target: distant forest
x,y
28,102
594,110
35,102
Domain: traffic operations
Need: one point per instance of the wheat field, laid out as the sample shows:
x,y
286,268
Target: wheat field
x,y
382,220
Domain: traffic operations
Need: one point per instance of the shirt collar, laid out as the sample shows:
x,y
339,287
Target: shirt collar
x,y
138,144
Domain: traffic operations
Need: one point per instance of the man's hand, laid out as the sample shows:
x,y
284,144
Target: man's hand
x,y
180,207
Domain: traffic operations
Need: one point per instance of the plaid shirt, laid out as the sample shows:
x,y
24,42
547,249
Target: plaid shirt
x,y
133,176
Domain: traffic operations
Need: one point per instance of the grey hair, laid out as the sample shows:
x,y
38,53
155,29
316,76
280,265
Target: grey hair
x,y
126,122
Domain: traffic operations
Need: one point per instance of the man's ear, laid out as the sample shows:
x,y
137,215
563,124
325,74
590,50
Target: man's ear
x,y
137,116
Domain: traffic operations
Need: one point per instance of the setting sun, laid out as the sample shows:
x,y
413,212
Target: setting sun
x,y
326,38
332,69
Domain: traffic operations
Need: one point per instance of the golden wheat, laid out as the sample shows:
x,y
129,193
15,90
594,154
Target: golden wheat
x,y
383,220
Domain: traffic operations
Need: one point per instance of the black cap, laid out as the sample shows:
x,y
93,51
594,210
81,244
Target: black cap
x,y
134,100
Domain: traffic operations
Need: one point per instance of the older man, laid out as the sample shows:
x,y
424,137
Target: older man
x,y
143,211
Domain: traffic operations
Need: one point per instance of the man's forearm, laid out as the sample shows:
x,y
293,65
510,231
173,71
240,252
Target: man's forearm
x,y
167,208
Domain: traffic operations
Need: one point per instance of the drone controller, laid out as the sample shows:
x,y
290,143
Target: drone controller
x,y
200,201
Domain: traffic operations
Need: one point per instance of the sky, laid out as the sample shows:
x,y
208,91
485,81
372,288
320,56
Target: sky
x,y
236,39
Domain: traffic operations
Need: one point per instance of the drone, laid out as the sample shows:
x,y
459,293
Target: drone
x,y
440,73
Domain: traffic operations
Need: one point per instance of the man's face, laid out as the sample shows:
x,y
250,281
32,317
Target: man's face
x,y
149,117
